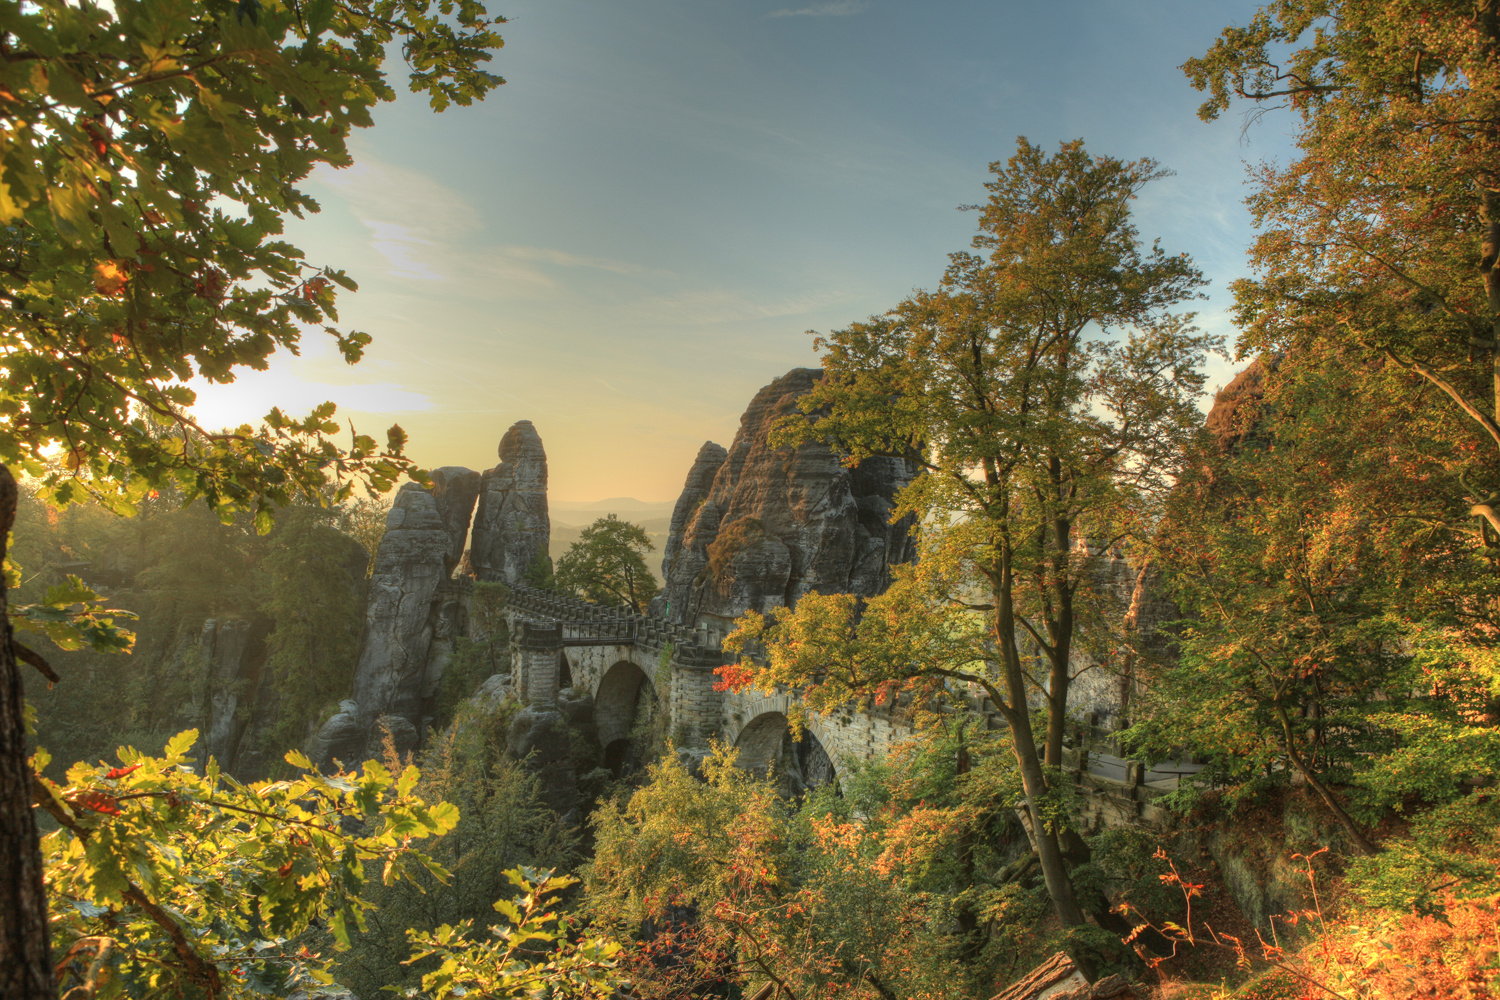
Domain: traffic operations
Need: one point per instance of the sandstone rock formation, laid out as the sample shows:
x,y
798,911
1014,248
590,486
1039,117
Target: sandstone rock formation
x,y
539,736
700,483
243,713
234,653
455,490
415,610
1234,418
342,738
410,565
1238,419
1136,593
758,526
511,527
492,693
402,736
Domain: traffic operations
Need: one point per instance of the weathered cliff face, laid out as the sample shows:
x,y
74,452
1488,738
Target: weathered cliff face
x,y
773,524
700,482
511,526
1134,596
416,609
234,656
455,490
243,714
1236,416
1238,419
422,544
408,569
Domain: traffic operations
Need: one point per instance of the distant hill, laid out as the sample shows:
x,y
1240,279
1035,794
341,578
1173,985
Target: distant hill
x,y
571,510
570,517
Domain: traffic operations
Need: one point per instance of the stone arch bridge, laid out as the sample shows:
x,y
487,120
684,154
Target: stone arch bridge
x,y
636,665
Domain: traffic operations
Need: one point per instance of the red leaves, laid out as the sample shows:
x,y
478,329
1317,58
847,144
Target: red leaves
x,y
98,138
211,286
733,677
96,801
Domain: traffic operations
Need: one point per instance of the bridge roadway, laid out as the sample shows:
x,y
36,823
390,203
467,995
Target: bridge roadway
x,y
636,665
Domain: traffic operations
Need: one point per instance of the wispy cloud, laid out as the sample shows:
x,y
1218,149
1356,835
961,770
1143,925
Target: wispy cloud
x,y
427,232
403,251
705,307
831,8
564,259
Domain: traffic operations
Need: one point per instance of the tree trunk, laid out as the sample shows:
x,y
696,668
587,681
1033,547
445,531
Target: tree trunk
x,y
1490,269
1488,23
1028,760
25,948
1060,632
1363,843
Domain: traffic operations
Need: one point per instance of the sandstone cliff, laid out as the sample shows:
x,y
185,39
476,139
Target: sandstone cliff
x,y
410,564
758,526
234,654
511,527
455,490
1236,415
1236,420
416,609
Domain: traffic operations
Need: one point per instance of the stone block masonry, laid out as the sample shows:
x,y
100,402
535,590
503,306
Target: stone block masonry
x,y
613,655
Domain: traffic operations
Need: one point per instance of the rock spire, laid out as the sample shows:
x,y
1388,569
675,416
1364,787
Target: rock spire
x,y
511,527
758,526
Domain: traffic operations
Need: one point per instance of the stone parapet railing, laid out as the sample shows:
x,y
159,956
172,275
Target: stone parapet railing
x,y
584,621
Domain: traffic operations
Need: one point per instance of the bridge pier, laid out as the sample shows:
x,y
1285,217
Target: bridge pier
x,y
535,662
696,707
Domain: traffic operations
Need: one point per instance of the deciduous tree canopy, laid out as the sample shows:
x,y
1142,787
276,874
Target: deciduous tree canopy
x,y
608,565
149,152
1384,235
1047,388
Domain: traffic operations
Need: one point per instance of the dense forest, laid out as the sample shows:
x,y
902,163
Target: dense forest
x,y
1327,540
174,568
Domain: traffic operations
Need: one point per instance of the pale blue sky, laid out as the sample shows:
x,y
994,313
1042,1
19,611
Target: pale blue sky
x,y
633,234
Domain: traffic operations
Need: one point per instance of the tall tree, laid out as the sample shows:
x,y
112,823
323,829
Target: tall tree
x,y
149,150
608,564
1383,236
1047,388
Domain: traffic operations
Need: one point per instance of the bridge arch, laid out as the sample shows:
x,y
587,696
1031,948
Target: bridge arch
x,y
625,697
766,746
